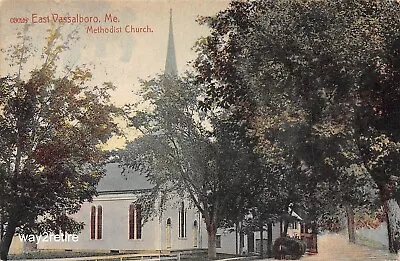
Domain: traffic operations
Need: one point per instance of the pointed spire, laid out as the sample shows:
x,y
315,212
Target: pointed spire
x,y
170,63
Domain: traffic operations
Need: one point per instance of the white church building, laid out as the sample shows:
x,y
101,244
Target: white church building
x,y
113,221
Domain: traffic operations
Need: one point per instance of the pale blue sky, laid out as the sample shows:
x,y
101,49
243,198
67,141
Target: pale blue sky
x,y
121,58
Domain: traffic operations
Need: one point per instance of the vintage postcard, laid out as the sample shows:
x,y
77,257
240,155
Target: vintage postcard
x,y
191,129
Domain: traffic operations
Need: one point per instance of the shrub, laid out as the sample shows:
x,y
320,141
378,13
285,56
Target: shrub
x,y
286,246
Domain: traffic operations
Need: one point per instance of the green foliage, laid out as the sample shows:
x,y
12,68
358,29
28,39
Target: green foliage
x,y
176,152
173,145
188,153
292,247
51,128
317,82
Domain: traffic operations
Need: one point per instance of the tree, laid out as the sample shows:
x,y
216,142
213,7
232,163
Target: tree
x,y
378,117
245,211
50,127
185,152
234,64
327,67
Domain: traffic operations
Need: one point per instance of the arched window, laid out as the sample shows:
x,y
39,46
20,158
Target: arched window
x,y
93,222
138,220
131,221
182,221
135,221
99,222
168,234
96,222
195,233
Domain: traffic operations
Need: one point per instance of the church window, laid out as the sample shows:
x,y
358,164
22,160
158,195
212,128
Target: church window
x,y
182,221
96,222
99,222
138,220
195,233
131,221
168,233
135,221
93,222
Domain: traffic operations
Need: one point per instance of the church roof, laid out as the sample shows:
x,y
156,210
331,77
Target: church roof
x,y
118,180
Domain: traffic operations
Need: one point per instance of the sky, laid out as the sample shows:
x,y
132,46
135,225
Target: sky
x,y
122,57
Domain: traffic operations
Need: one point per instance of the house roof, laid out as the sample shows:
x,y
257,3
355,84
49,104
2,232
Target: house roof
x,y
116,179
294,214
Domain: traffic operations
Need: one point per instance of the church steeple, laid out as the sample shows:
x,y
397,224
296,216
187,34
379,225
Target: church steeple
x,y
170,63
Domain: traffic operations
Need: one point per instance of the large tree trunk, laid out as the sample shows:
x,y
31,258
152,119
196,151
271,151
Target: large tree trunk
x,y
389,231
212,249
286,223
1,224
7,239
314,228
250,242
236,237
285,228
241,239
261,226
269,238
350,223
392,213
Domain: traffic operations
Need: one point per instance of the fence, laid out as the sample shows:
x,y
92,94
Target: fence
x,y
124,257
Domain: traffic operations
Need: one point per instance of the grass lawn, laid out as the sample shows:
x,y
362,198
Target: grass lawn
x,y
67,254
361,240
203,257
55,254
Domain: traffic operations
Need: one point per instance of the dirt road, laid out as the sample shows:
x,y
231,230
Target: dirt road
x,y
334,247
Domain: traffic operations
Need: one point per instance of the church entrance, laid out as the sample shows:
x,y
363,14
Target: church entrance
x,y
195,232
168,234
